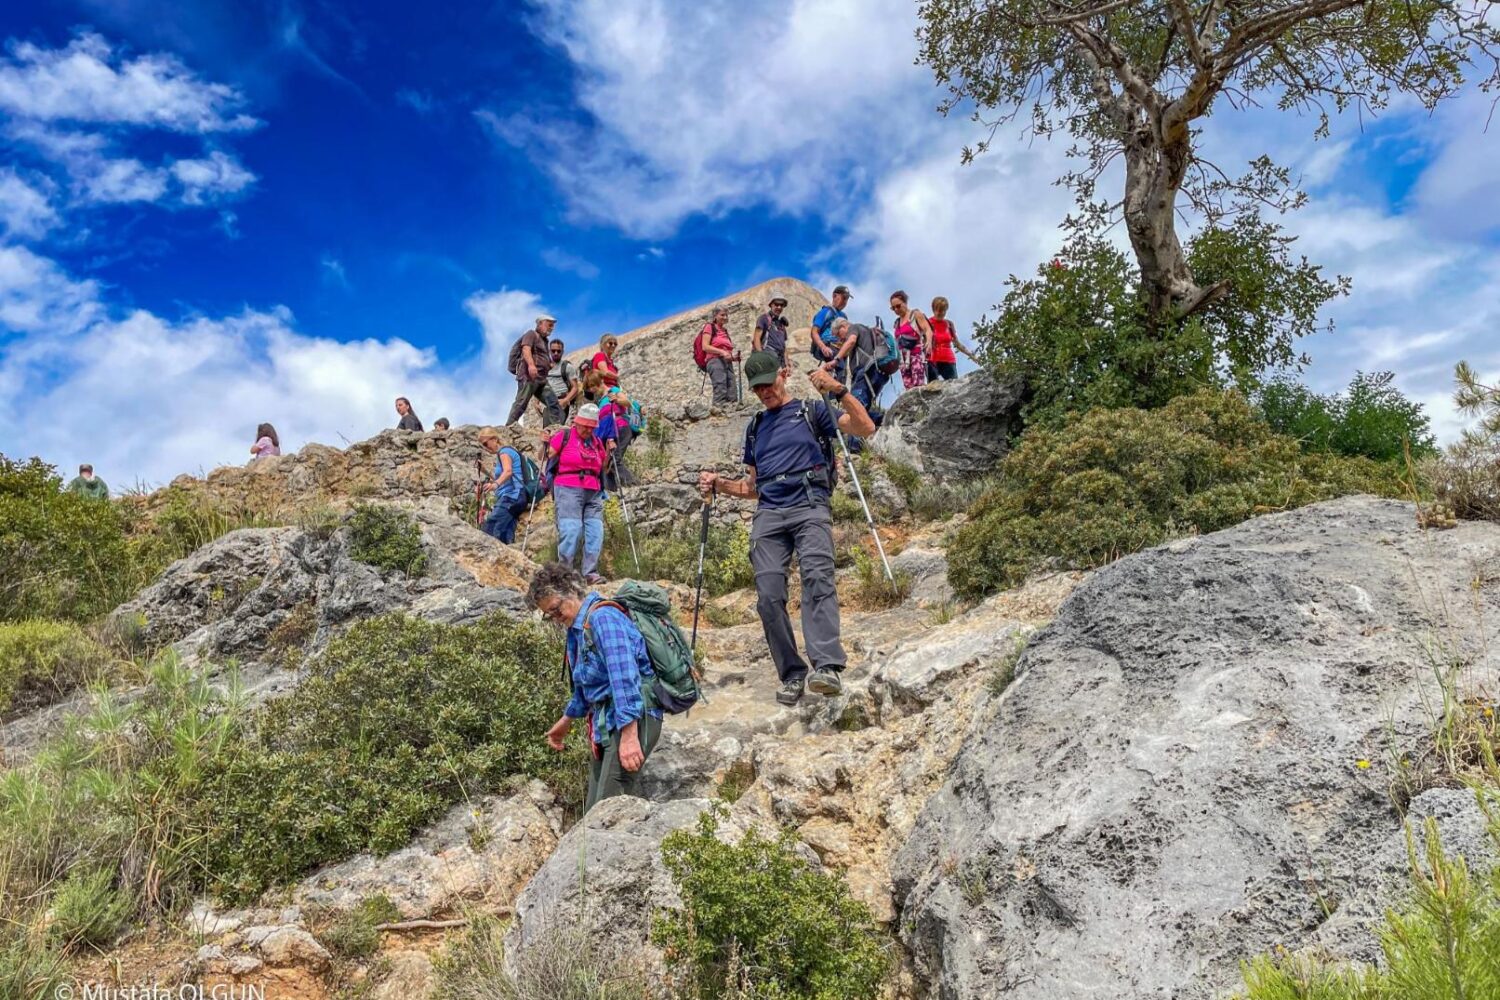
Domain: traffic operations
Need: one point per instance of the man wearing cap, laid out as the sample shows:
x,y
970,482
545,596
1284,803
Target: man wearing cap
x,y
531,374
769,334
578,490
88,485
789,459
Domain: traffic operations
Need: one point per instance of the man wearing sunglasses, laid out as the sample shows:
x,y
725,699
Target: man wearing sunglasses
x,y
563,379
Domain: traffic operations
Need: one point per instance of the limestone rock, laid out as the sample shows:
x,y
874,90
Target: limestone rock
x,y
1174,767
606,876
282,944
409,977
952,430
479,854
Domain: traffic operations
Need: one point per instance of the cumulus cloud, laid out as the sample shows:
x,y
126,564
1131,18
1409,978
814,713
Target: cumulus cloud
x,y
26,210
210,178
708,106
91,82
146,398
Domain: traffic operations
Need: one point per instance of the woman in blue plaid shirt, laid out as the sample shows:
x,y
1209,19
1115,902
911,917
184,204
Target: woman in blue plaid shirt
x,y
611,676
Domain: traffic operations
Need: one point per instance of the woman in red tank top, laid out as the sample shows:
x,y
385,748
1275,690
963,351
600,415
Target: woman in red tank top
x,y
943,363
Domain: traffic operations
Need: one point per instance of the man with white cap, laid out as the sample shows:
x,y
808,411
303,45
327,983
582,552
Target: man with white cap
x,y
530,360
576,471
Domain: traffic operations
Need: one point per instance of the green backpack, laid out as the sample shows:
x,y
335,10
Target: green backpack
x,y
676,683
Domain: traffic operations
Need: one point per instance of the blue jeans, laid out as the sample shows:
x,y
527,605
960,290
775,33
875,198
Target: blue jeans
x,y
580,514
866,388
500,523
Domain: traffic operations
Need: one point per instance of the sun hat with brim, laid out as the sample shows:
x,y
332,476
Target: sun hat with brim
x,y
778,301
761,368
588,416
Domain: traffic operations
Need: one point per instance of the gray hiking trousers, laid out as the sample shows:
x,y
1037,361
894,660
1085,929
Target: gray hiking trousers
x,y
525,392
607,778
775,535
721,374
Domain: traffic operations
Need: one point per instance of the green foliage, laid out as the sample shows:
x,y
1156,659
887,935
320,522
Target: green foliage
x,y
872,589
796,930
1114,482
354,934
398,719
187,520
845,507
90,909
1444,945
387,538
29,970
1372,418
114,796
64,556
673,554
42,660
1079,337
1465,479
565,963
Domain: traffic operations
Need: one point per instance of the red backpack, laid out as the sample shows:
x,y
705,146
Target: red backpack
x,y
700,356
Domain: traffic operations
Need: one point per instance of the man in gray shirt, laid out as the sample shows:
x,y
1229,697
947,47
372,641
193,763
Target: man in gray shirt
x,y
562,379
770,334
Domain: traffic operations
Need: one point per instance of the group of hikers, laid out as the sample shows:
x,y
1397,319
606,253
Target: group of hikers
x,y
627,660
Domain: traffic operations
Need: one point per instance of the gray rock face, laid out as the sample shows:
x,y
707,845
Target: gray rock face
x,y
951,430
1171,783
605,877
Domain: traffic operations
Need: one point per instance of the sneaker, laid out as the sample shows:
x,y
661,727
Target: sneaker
x,y
593,579
791,692
825,682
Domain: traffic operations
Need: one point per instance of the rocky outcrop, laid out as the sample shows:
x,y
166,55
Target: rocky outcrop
x,y
1173,782
952,430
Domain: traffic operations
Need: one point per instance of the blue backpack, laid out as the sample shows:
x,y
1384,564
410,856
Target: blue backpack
x,y
530,476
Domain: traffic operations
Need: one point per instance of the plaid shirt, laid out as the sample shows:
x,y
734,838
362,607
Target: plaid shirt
x,y
607,673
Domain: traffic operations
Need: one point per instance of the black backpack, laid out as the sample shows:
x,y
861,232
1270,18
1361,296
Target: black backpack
x,y
817,334
516,358
825,444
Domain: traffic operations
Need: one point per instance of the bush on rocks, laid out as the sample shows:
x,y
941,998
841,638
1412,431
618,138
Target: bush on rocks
x,y
759,921
1371,418
398,719
388,539
1113,482
42,660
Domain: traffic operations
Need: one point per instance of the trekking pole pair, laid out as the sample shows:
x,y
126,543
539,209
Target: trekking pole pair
x,y
625,510
860,490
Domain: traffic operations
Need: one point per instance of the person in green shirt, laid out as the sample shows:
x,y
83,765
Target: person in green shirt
x,y
88,485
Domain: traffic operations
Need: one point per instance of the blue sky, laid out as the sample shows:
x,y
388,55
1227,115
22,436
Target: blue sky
x,y
214,214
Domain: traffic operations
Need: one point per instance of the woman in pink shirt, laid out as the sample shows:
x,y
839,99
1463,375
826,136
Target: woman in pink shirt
x,y
577,459
604,361
266,443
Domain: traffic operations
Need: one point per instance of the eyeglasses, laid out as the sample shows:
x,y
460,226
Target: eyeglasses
x,y
552,611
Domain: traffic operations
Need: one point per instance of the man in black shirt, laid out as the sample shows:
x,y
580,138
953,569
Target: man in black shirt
x,y
770,333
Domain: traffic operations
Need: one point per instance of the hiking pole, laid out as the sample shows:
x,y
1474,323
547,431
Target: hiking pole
x,y
869,518
702,551
625,509
526,535
479,493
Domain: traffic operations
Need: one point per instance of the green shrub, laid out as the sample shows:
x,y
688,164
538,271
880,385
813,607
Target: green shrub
x,y
1078,335
354,934
872,589
845,507
398,719
1443,945
387,538
795,929
1114,482
90,909
1372,418
42,660
566,963
673,554
28,970
1465,479
65,557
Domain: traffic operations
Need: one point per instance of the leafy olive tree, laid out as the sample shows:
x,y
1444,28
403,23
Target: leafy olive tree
x,y
1132,79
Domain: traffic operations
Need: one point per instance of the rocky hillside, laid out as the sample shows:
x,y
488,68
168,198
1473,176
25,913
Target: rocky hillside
x,y
1120,784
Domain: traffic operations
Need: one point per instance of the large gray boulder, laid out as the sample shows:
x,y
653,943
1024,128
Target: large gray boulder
x,y
952,430
1173,783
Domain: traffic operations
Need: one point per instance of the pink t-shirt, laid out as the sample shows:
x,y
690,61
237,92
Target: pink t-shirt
x,y
264,448
580,463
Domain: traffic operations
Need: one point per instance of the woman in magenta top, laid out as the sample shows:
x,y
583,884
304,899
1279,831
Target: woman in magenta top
x,y
943,363
578,490
604,361
914,338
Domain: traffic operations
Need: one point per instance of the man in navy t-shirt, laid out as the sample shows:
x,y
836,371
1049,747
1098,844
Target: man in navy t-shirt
x,y
824,341
789,457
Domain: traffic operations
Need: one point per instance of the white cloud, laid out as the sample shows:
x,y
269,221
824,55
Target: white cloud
x,y
91,82
333,271
710,106
146,398
26,210
107,181
562,260
210,178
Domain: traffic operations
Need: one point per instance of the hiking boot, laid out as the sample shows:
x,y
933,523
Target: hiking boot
x,y
593,579
825,682
791,692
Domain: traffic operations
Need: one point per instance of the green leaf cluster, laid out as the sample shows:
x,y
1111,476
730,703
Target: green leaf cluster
x,y
1078,334
398,719
1116,481
387,538
672,554
1372,418
42,660
757,910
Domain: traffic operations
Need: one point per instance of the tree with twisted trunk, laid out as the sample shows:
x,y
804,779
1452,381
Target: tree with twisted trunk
x,y
1132,78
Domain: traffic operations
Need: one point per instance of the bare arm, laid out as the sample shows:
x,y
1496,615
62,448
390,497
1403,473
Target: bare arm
x,y
924,328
